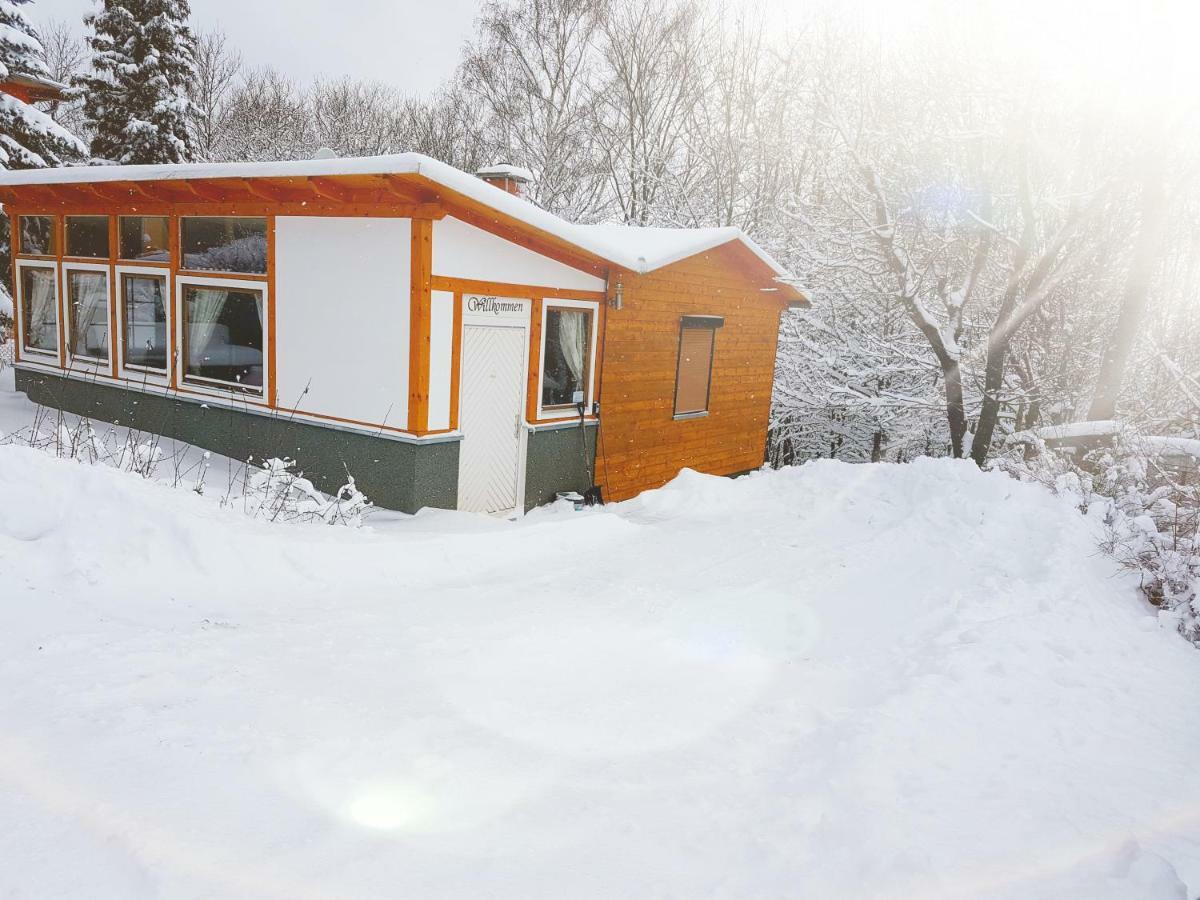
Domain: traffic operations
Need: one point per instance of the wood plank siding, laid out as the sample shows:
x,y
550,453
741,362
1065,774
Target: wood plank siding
x,y
643,445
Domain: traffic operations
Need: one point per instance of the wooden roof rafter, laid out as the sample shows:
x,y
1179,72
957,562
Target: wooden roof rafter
x,y
405,191
205,192
263,190
331,190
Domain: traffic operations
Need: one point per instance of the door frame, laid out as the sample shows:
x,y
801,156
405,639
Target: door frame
x,y
518,321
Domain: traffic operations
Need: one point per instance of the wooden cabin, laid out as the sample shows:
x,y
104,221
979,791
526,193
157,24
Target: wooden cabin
x,y
435,335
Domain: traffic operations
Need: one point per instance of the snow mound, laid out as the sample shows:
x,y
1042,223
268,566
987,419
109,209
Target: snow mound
x,y
829,681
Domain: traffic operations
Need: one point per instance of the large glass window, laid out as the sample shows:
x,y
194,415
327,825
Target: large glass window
x,y
223,330
145,315
145,238
87,236
693,378
224,244
39,308
38,237
87,296
565,361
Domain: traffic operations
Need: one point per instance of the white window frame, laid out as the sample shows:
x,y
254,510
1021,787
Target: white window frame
x,y
143,373
30,354
211,387
559,412
74,361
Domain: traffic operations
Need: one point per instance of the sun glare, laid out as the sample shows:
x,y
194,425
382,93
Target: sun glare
x,y
1116,51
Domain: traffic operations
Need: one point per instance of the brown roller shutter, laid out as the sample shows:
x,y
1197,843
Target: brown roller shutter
x,y
695,367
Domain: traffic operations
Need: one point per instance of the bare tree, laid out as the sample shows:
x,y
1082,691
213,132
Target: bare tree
x,y
266,118
653,77
530,68
66,57
218,69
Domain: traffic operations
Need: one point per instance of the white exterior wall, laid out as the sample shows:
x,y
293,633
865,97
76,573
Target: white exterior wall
x,y
461,250
342,317
441,351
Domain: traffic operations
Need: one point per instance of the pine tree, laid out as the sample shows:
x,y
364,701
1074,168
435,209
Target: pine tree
x,y
135,98
29,139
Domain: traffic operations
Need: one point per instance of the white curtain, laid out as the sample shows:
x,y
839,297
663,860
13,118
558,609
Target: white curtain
x,y
204,316
572,335
43,320
89,323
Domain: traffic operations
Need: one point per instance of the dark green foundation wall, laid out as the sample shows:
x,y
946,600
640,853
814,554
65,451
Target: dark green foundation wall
x,y
557,460
393,474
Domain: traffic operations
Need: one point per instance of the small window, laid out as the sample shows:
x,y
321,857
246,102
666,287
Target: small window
x,y
37,236
145,238
87,236
223,330
145,315
565,352
39,309
224,244
693,379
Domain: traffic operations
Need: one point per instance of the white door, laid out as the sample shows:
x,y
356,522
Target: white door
x,y
490,417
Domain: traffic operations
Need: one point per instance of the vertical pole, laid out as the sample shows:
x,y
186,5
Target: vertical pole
x,y
420,318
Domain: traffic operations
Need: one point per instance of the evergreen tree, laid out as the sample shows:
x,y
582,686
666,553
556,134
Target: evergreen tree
x,y
135,98
29,139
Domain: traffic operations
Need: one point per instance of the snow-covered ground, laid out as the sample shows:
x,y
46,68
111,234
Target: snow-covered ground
x,y
830,681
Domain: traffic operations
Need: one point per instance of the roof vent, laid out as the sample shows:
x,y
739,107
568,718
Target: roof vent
x,y
508,178
325,153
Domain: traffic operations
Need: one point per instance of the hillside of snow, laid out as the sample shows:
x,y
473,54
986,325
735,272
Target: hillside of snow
x,y
829,681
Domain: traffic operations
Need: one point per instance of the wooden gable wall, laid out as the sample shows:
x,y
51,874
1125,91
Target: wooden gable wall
x,y
643,445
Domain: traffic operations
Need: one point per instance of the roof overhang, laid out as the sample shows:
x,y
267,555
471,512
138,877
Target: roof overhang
x,y
408,184
37,88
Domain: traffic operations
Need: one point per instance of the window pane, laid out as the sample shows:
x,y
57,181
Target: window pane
x,y
37,236
695,370
87,236
145,237
145,321
215,244
88,307
565,363
225,335
39,306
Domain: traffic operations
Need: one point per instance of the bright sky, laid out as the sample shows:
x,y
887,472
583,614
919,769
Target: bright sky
x,y
413,44
1105,48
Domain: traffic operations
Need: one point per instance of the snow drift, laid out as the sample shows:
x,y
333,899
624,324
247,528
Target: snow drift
x,y
828,681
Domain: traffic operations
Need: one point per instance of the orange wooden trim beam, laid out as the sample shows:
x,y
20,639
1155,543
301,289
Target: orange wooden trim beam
x,y
535,360
420,319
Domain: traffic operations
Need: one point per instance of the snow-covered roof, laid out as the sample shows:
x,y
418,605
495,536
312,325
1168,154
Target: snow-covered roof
x,y
635,248
35,81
